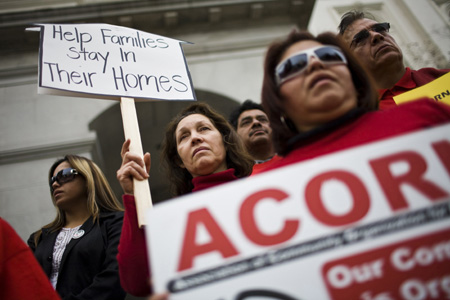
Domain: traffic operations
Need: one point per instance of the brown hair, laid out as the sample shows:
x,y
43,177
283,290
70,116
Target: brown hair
x,y
100,197
273,102
236,155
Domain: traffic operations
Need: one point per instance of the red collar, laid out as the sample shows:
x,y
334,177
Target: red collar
x,y
207,181
405,82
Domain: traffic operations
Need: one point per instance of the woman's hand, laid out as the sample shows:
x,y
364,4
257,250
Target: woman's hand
x,y
133,166
159,297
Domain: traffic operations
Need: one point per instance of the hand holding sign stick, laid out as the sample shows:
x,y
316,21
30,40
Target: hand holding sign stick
x,y
131,129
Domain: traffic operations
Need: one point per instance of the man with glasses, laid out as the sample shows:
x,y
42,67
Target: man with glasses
x,y
378,51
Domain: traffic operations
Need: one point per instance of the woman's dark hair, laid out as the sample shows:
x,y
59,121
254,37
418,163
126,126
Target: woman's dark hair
x,y
273,102
236,154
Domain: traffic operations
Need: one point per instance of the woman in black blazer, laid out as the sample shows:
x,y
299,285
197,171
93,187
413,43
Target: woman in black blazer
x,y
78,249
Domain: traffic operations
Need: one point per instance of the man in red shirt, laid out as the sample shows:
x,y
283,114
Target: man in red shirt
x,y
380,54
253,127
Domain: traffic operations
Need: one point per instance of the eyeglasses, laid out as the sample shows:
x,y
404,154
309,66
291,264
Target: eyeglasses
x,y
361,37
63,176
297,63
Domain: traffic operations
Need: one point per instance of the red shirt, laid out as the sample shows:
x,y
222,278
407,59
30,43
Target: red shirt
x,y
204,182
410,80
21,276
258,168
369,127
132,257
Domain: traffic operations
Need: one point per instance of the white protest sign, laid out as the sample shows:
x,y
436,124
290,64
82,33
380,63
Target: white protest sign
x,y
111,62
114,62
372,222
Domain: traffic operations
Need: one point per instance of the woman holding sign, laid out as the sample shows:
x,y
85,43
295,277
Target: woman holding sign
x,y
78,249
319,100
201,150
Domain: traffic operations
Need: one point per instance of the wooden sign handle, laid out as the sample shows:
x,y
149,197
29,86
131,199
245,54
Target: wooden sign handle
x,y
131,128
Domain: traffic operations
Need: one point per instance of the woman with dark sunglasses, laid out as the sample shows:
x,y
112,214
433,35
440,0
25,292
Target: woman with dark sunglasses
x,y
78,249
319,99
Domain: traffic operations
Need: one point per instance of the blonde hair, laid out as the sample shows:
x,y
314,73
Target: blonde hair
x,y
100,197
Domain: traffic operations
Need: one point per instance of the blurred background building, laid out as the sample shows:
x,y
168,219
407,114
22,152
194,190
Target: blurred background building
x,y
420,27
225,61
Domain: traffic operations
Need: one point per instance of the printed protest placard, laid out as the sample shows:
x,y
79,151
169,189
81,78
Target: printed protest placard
x,y
438,89
111,62
371,222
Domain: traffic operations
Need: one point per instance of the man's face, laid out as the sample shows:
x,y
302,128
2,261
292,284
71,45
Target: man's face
x,y
253,127
373,45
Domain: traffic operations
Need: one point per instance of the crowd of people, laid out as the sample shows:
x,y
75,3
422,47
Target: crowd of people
x,y
320,94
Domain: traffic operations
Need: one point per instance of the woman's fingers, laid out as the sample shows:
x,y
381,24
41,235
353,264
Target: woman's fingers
x,y
135,170
128,156
148,162
133,166
125,147
136,162
159,297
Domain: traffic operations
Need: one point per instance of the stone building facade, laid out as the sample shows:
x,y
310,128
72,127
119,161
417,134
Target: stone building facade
x,y
225,61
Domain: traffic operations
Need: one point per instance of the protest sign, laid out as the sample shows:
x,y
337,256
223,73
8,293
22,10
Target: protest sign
x,y
438,89
113,62
371,222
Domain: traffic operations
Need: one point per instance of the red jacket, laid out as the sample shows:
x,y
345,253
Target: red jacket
x,y
259,168
21,276
410,80
369,127
132,257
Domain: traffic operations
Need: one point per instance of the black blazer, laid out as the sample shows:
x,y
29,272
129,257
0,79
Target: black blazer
x,y
89,268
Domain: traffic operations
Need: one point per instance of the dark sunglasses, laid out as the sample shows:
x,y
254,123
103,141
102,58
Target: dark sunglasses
x,y
298,62
362,36
63,176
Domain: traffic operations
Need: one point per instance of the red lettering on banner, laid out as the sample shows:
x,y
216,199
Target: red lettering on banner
x,y
219,241
248,222
404,259
442,149
360,198
413,269
342,276
414,177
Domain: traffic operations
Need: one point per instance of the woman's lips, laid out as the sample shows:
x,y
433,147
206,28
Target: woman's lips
x,y
198,150
316,79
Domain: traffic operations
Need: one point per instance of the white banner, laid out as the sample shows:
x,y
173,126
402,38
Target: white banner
x,y
372,222
111,62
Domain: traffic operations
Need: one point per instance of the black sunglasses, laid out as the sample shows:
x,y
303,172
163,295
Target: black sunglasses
x,y
63,176
362,36
298,62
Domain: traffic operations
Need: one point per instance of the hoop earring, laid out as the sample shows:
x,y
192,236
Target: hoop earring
x,y
287,124
283,121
